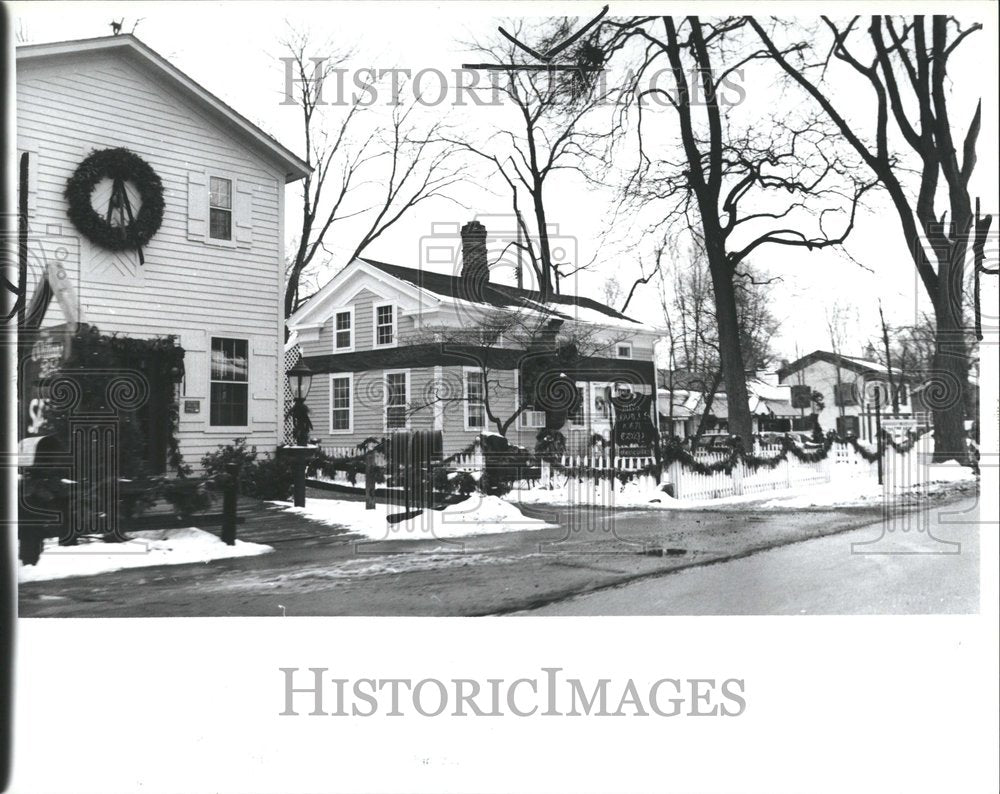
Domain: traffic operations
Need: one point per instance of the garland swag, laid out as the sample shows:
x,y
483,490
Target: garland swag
x,y
120,165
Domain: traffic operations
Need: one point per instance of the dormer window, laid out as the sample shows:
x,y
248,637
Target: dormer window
x,y
220,208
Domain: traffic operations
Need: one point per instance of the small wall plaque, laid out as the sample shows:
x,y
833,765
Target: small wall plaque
x,y
192,406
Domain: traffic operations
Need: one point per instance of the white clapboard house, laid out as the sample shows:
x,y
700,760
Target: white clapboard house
x,y
212,274
849,387
397,348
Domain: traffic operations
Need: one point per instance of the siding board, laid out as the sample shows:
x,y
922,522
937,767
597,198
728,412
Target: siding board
x,y
70,106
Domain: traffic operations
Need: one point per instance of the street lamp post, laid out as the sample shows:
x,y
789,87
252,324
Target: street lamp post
x,y
300,380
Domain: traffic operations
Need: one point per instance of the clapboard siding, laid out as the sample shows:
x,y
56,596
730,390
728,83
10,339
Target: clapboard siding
x,y
71,105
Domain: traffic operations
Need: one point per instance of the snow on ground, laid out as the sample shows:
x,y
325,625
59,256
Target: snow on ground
x,y
151,547
477,515
841,492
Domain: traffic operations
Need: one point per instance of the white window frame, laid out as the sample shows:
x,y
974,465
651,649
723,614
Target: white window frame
x,y
395,325
533,414
618,349
350,407
597,390
211,380
349,310
522,418
231,242
385,398
466,404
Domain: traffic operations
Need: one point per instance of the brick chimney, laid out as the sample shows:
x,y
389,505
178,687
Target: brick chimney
x,y
475,267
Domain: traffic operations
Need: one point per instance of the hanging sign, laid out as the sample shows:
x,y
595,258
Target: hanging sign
x,y
633,433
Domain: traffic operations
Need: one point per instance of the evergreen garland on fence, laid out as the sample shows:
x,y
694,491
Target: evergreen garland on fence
x,y
673,451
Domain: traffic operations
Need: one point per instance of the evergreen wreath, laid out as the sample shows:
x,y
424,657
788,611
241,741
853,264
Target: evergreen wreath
x,y
119,165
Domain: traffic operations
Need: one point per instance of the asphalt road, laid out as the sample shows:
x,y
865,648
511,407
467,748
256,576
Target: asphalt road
x,y
317,569
863,571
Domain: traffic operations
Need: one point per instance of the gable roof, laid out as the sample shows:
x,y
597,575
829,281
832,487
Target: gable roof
x,y
503,295
851,363
128,45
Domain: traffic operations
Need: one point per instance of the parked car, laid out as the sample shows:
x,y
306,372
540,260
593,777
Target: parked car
x,y
799,437
714,442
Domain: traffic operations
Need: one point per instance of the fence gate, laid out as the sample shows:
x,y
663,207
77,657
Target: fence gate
x,y
410,461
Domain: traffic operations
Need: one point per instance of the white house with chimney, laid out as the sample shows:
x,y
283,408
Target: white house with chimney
x,y
395,347
211,277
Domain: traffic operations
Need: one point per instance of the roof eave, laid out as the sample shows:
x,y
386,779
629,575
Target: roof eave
x,y
295,167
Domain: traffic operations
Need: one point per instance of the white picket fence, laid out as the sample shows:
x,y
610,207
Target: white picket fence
x,y
339,452
900,471
744,481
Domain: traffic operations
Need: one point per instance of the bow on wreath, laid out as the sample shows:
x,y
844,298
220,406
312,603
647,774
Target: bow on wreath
x,y
119,201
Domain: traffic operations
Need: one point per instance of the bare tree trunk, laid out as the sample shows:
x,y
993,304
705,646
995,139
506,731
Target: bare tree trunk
x,y
709,399
947,386
893,386
730,352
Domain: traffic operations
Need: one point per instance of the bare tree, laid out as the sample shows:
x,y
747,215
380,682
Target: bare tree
x,y
838,321
893,382
405,164
548,132
903,62
774,183
688,309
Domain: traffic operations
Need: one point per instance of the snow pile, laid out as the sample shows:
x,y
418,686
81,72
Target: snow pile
x,y
641,493
477,515
144,549
949,471
631,494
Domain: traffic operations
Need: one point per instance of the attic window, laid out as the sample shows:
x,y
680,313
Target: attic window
x,y
385,325
220,208
343,323
624,350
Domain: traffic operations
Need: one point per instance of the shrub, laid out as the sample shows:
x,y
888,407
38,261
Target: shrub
x,y
265,478
187,497
273,479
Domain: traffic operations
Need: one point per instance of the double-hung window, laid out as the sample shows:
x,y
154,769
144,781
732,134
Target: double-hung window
x,y
220,208
341,403
343,331
385,325
230,382
475,404
396,398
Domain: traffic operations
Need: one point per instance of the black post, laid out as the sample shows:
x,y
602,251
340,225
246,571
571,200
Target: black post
x,y
299,489
878,432
370,480
231,481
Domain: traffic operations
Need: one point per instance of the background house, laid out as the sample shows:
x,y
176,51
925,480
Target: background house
x,y
401,348
211,276
848,386
682,402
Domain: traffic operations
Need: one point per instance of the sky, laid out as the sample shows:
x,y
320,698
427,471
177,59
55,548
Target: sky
x,y
234,50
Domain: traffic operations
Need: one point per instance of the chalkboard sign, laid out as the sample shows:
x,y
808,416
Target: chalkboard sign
x,y
632,432
41,361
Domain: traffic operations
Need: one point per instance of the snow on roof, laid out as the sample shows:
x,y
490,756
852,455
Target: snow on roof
x,y
854,363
